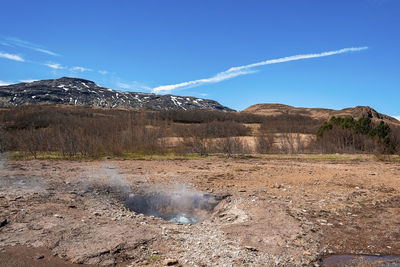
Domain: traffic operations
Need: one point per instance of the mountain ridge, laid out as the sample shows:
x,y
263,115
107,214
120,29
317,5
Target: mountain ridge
x,y
82,92
318,113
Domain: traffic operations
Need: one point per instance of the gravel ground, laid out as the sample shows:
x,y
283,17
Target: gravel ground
x,y
287,212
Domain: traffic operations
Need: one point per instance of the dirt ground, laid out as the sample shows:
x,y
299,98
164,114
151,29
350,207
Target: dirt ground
x,y
274,211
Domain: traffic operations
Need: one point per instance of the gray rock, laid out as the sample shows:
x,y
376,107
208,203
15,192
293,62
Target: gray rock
x,y
3,222
170,262
251,248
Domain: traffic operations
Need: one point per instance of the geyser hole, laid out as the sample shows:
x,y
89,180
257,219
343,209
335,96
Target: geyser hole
x,y
181,207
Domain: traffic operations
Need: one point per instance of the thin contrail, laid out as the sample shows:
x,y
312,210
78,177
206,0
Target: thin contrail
x,y
246,69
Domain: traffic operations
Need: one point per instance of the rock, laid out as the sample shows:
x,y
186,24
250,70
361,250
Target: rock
x,y
39,257
170,262
251,248
16,198
307,253
58,216
3,222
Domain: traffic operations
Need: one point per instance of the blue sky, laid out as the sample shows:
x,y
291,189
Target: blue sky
x,y
147,45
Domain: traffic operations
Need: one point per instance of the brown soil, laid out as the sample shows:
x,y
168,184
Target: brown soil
x,y
274,211
32,257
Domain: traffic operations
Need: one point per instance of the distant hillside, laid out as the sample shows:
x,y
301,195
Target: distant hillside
x,y
74,91
319,113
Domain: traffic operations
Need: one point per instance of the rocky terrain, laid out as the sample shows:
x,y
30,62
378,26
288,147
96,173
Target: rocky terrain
x,y
74,91
319,113
274,210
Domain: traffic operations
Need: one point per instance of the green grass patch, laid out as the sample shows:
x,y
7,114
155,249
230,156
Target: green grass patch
x,y
152,259
173,156
128,155
43,156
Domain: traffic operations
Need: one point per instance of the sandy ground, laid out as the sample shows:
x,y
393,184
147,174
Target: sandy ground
x,y
273,211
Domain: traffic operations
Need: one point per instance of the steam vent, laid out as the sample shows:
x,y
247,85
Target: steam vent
x,y
187,207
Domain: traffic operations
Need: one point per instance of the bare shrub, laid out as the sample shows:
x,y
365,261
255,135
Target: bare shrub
x,y
230,145
340,140
290,123
81,131
264,143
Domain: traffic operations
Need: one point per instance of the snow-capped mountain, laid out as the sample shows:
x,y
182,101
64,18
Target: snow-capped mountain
x,y
75,91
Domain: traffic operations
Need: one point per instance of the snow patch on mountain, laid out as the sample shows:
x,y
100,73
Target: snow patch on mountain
x,y
82,92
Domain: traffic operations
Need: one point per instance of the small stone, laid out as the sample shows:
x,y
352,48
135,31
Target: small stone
x,y
170,262
58,216
251,248
3,222
39,257
307,253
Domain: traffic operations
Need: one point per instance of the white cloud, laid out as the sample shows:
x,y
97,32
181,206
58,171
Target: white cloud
x,y
103,72
12,41
133,86
246,69
396,117
3,83
55,66
123,85
12,57
27,81
79,68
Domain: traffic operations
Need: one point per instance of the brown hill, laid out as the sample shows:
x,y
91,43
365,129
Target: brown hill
x,y
319,113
